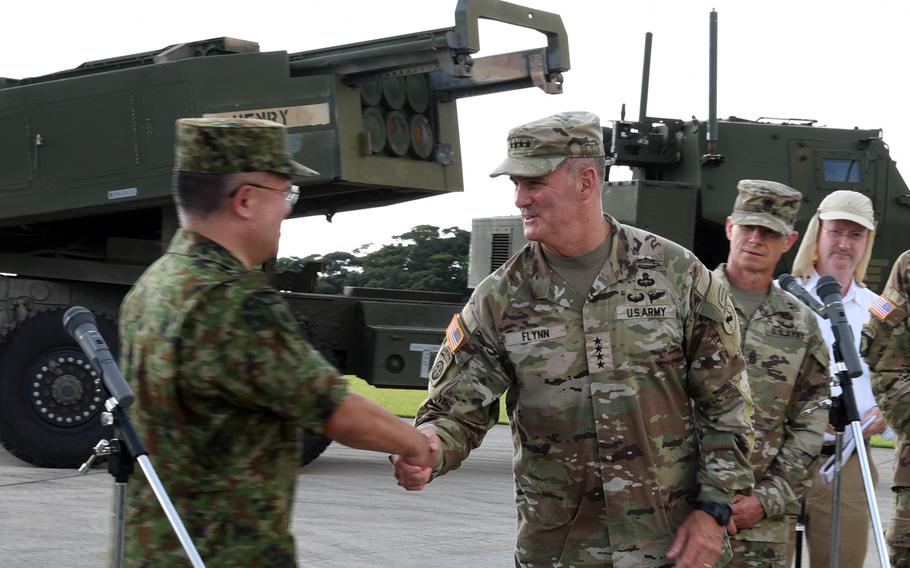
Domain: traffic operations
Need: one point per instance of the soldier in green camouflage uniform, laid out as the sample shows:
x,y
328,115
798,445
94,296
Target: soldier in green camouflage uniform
x,y
597,373
786,360
887,351
224,384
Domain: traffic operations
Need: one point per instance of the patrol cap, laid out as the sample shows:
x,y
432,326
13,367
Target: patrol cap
x,y
848,205
766,203
234,145
538,148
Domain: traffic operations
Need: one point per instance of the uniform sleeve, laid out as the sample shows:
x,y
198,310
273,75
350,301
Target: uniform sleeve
x,y
789,474
886,346
245,348
467,380
719,389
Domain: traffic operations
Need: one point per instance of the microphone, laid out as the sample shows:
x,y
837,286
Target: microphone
x,y
80,324
790,284
829,291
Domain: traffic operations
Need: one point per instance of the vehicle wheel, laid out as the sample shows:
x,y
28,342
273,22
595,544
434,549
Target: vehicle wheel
x,y
50,396
314,444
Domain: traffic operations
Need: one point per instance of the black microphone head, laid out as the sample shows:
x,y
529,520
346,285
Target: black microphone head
x,y
785,280
76,316
827,285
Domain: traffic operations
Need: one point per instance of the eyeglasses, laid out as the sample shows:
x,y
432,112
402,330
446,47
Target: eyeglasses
x,y
291,192
836,233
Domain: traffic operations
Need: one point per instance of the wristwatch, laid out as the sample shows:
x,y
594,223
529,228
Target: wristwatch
x,y
719,511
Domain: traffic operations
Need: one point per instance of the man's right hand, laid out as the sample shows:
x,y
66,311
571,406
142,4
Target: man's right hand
x,y
413,471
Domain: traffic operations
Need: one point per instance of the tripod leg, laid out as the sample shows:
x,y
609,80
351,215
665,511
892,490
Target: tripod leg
x,y
870,497
835,495
119,523
800,532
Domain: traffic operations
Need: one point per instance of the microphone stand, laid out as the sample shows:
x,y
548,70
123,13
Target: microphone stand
x,y
126,447
121,453
845,412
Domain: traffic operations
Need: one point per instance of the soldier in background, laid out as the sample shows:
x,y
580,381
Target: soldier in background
x,y
838,242
224,383
598,335
887,351
787,364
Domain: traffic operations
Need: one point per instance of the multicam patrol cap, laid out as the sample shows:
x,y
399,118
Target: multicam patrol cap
x,y
538,148
234,145
766,203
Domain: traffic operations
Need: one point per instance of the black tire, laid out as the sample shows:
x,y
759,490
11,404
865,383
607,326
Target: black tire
x,y
314,444
50,397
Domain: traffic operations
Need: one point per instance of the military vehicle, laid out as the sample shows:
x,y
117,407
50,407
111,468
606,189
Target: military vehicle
x,y
685,174
85,204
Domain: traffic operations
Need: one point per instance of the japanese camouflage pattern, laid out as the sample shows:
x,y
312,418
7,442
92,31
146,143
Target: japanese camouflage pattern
x,y
787,365
609,453
538,148
234,145
224,385
886,347
766,203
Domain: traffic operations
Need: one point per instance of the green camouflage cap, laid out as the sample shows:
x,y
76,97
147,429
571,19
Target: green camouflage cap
x,y
234,145
538,148
766,203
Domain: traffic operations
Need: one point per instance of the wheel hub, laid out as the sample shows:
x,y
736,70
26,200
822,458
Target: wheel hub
x,y
65,390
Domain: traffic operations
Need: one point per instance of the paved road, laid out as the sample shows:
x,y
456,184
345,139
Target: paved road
x,y
348,513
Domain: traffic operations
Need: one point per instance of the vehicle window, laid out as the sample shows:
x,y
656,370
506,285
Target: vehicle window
x,y
843,171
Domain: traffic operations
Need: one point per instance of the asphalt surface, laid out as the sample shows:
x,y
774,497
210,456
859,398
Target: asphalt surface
x,y
348,513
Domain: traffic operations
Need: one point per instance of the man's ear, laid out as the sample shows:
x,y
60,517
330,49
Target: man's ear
x,y
728,228
791,240
588,179
241,203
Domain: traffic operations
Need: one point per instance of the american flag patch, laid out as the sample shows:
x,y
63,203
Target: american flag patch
x,y
454,334
881,308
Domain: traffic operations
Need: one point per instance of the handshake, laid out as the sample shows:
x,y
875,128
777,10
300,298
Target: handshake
x,y
413,470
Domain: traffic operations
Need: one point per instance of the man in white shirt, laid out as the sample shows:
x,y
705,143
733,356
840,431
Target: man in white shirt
x,y
838,242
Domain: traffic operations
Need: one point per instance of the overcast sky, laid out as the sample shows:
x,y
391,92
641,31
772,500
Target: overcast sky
x,y
841,63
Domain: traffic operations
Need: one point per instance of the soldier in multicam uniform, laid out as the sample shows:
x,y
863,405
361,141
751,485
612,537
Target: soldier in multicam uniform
x,y
224,383
887,351
598,335
787,363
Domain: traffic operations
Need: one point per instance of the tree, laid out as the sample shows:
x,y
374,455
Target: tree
x,y
424,258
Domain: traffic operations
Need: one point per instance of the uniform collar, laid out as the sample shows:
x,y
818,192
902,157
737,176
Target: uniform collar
x,y
616,267
198,247
774,302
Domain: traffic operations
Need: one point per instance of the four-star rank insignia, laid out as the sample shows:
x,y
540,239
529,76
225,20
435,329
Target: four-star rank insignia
x,y
599,351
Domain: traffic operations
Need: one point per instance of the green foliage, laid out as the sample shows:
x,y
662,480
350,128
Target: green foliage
x,y
879,442
424,258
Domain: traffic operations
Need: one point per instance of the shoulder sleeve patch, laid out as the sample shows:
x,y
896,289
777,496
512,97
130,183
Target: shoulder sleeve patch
x,y
455,334
716,303
882,307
